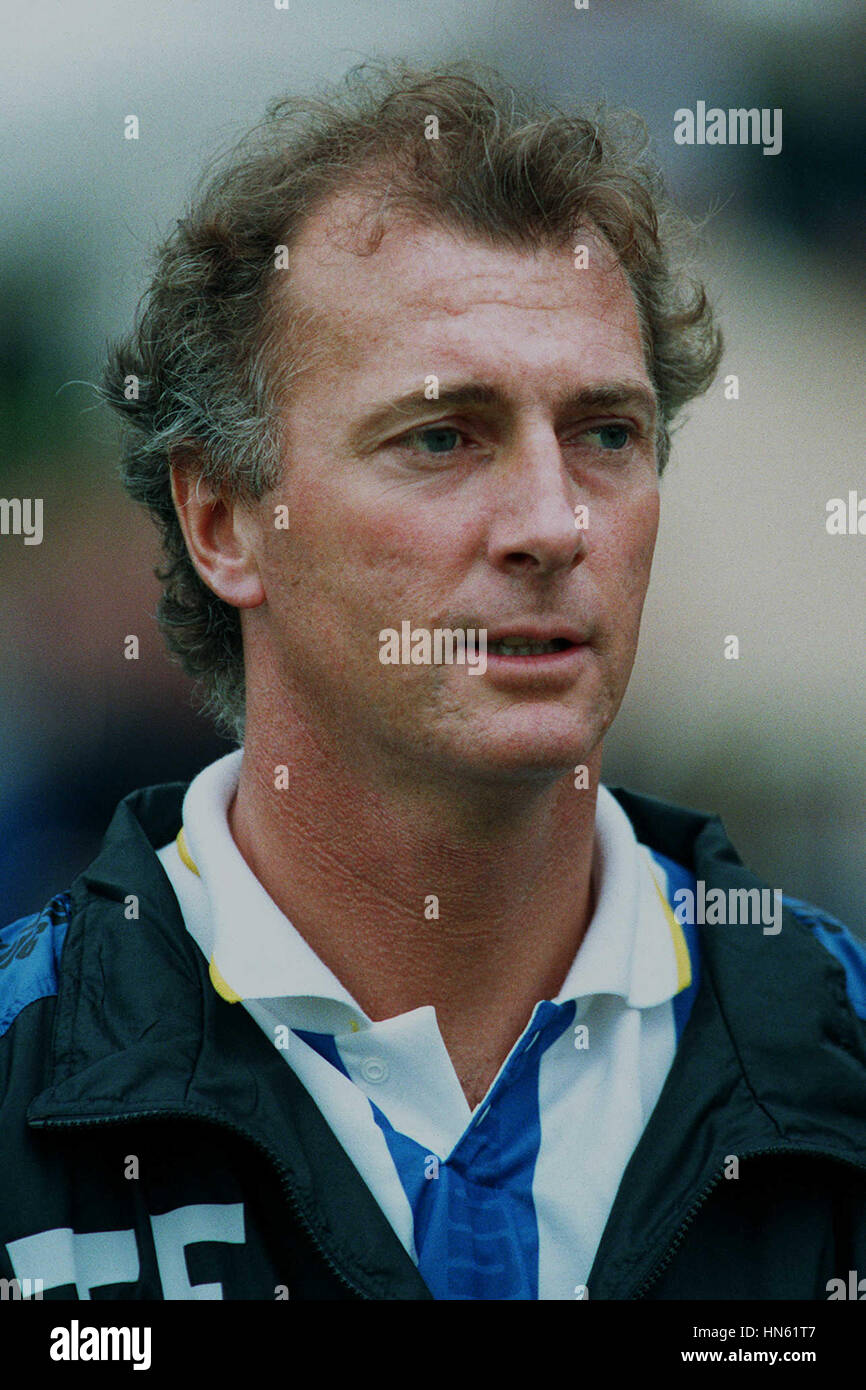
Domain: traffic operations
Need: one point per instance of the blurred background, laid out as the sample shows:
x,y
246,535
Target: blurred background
x,y
773,742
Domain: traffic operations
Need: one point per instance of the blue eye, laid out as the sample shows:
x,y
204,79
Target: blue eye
x,y
614,437
442,438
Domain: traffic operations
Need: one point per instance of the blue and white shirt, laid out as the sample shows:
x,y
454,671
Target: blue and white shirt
x,y
507,1201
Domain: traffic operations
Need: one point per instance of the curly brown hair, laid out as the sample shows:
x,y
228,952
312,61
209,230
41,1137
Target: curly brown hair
x,y
196,376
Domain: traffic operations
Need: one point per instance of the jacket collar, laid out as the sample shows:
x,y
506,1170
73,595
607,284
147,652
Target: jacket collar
x,y
772,1060
140,1032
781,998
155,1039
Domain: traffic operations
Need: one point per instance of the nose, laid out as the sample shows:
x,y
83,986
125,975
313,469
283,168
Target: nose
x,y
533,523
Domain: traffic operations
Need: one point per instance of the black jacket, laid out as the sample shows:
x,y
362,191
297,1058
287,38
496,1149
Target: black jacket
x,y
133,1099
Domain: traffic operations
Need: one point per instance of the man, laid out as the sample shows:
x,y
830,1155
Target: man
x,y
397,1000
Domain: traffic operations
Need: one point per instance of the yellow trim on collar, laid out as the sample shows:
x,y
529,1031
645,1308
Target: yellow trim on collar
x,y
184,853
223,990
681,950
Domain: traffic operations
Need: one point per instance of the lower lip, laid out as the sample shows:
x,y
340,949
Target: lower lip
x,y
545,664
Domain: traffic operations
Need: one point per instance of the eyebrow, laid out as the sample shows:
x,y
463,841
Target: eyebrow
x,y
607,395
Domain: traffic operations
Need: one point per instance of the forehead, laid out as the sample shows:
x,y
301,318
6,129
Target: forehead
x,y
433,293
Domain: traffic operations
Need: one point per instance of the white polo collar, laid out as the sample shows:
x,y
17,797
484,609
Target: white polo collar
x,y
630,948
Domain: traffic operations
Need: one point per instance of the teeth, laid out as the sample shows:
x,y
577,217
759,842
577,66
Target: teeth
x,y
508,647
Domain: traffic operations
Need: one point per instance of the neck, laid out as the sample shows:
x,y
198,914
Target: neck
x,y
471,897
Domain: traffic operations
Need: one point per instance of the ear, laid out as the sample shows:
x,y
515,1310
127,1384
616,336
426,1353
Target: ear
x,y
220,536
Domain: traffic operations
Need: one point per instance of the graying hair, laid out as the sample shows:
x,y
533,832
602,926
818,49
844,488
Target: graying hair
x,y
196,378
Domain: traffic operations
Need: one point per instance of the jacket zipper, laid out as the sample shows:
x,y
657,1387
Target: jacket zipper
x,y
702,1197
285,1182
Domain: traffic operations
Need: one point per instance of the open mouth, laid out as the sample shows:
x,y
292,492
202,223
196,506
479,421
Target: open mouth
x,y
519,646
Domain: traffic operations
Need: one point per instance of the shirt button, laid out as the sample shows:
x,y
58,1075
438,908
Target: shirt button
x,y
374,1069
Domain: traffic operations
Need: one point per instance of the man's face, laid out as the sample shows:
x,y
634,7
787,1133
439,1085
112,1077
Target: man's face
x,y
460,514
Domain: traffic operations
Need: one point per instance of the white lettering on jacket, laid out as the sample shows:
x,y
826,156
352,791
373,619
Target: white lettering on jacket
x,y
92,1259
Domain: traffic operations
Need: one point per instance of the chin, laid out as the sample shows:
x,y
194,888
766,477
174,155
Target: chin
x,y
542,751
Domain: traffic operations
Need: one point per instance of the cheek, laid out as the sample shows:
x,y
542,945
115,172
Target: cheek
x,y
339,569
346,520
398,549
633,546
387,545
645,540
